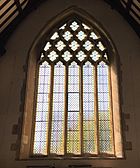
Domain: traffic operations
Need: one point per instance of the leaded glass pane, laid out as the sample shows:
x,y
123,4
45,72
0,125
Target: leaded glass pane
x,y
89,127
67,35
74,26
62,27
81,35
47,46
54,36
95,55
62,114
42,107
100,46
81,55
57,132
93,35
88,45
60,45
74,45
67,55
104,110
73,130
105,56
53,55
85,26
74,39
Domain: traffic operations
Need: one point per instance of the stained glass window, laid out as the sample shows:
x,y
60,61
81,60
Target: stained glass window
x,y
73,115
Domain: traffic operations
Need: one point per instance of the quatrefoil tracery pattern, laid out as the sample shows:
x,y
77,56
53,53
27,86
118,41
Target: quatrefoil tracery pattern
x,y
73,80
74,41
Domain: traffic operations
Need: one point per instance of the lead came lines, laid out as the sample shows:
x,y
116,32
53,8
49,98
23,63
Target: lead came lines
x,y
74,50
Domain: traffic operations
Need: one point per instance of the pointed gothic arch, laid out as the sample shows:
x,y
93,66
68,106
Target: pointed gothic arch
x,y
91,46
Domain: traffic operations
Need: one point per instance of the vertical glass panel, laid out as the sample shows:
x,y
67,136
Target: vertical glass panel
x,y
104,110
41,120
73,130
57,133
89,140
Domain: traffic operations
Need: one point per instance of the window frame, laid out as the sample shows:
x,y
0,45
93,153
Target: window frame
x,y
26,134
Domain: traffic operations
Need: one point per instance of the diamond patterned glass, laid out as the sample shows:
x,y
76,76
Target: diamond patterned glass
x,y
74,26
88,45
74,45
93,35
85,26
57,138
95,55
67,35
89,127
105,56
47,46
81,55
105,131
73,104
63,27
53,55
81,35
67,55
100,46
60,45
73,132
54,36
74,39
42,108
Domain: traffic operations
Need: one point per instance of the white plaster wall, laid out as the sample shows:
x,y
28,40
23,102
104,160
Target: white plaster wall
x,y
12,76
